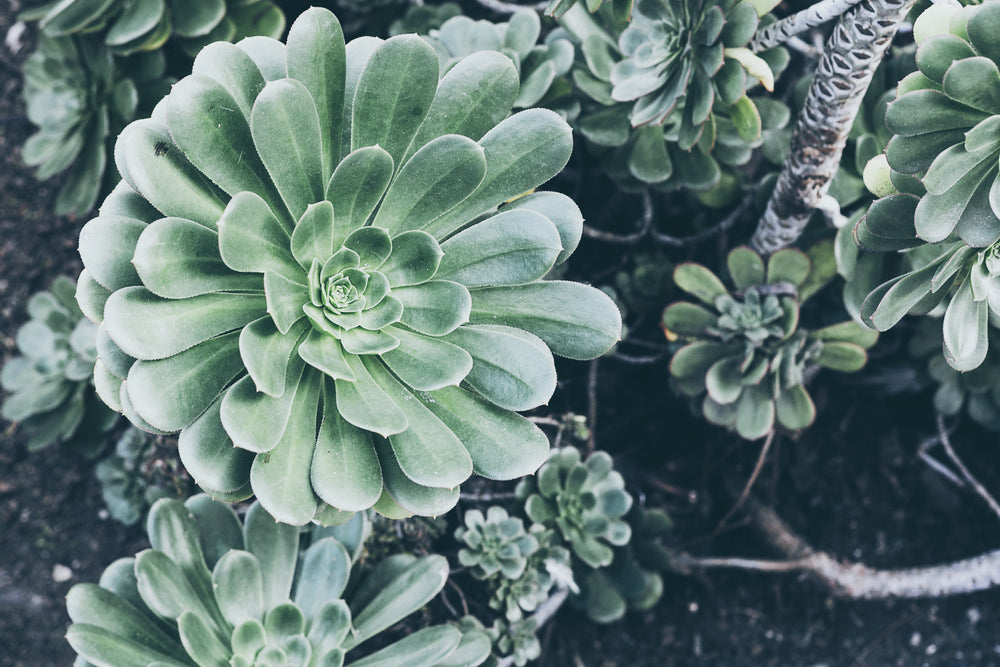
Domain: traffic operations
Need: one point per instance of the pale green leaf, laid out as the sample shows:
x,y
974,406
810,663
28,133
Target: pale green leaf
x,y
345,469
356,187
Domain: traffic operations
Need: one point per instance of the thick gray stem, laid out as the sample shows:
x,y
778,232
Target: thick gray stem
x,y
854,50
790,26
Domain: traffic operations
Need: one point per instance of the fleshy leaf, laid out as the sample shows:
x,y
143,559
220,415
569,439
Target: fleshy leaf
x,y
356,187
435,308
425,363
345,470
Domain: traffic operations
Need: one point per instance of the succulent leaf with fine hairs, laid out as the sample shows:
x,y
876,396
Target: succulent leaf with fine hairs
x,y
320,254
213,590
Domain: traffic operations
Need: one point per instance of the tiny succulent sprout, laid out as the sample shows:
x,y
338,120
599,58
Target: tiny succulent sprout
x,y
746,354
51,382
549,566
582,500
215,591
495,544
943,157
320,253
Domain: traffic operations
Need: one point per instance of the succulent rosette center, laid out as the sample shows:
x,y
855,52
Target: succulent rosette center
x,y
349,288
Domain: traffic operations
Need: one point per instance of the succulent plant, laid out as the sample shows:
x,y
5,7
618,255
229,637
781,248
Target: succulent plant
x,y
632,580
50,383
80,97
131,26
670,149
211,591
976,392
549,566
495,544
582,500
541,67
621,9
124,479
517,640
421,19
943,158
747,354
312,279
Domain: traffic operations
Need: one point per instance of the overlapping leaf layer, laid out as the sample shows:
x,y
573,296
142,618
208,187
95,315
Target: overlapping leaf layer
x,y
320,254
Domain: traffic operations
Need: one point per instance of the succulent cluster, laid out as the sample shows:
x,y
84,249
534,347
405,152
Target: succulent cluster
x,y
52,395
747,353
942,166
496,543
306,259
665,102
541,67
213,591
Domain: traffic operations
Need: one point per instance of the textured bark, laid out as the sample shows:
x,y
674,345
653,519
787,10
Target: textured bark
x,y
790,26
854,50
854,580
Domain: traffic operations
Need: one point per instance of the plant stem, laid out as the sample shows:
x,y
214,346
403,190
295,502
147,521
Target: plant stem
x,y
854,50
854,580
790,26
501,7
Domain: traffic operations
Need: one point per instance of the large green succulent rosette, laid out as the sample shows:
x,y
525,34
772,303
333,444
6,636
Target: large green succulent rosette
x,y
319,254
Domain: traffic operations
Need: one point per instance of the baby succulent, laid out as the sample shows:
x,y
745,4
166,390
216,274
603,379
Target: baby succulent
x,y
213,591
321,255
51,382
517,640
541,67
494,544
582,500
127,486
547,567
747,354
944,155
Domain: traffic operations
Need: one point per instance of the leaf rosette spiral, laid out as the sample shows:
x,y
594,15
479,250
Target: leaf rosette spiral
x,y
215,590
320,254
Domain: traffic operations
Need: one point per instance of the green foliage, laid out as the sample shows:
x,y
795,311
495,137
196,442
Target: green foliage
x,y
213,591
50,383
976,392
495,544
621,9
80,97
421,19
541,67
746,353
665,99
546,568
944,154
313,247
584,501
123,475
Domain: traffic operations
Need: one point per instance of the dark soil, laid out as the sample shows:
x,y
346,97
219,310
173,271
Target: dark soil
x,y
853,485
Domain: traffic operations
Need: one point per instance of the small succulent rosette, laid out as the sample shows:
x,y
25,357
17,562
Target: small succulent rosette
x,y
541,67
495,544
943,173
582,500
747,355
665,102
51,382
321,255
132,27
215,591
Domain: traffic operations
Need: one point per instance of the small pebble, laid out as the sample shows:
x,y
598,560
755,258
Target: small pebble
x,y
915,639
61,573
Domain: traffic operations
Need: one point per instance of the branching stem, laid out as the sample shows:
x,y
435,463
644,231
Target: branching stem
x,y
790,26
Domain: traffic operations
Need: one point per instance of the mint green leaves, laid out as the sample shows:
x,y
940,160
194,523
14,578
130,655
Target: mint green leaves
x,y
339,274
213,590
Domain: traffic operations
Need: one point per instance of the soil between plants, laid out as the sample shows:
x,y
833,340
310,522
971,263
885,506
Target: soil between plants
x,y
852,485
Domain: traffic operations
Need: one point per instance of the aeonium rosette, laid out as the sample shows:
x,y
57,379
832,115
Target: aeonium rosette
x,y
320,254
